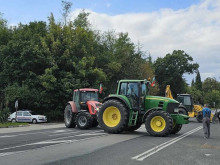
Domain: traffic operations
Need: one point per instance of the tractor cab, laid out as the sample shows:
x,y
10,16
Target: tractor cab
x,y
135,91
81,96
186,100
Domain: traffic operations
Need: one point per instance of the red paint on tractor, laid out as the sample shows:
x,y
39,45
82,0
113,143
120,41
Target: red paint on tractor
x,y
73,105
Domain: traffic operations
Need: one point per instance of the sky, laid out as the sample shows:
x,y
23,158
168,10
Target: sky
x,y
160,26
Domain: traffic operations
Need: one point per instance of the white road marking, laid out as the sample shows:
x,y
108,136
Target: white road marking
x,y
32,133
208,154
65,141
58,131
53,142
6,154
45,141
154,150
7,136
70,132
91,134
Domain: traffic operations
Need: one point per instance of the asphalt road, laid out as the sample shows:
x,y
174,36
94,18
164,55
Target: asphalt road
x,y
64,146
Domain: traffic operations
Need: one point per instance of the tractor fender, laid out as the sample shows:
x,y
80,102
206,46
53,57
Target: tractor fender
x,y
121,99
73,105
182,106
149,111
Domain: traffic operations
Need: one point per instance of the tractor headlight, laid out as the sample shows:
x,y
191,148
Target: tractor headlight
x,y
176,110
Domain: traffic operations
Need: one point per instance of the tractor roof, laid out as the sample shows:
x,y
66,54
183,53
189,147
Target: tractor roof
x,y
133,80
87,90
185,94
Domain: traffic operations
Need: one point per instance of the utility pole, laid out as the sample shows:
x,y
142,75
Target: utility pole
x,y
16,108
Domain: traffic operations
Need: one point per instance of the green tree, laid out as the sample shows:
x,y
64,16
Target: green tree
x,y
170,69
210,84
192,83
198,82
42,63
66,10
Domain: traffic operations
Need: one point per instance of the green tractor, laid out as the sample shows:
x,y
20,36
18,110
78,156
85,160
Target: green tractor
x,y
132,106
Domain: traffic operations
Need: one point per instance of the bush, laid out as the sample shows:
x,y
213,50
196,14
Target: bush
x,y
55,115
4,115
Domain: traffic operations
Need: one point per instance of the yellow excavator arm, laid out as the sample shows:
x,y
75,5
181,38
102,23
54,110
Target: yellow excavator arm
x,y
168,92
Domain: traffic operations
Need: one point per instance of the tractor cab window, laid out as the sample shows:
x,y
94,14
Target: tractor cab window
x,y
123,89
132,89
89,95
180,99
143,89
132,94
187,100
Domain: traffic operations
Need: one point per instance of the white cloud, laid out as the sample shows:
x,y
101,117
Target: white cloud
x,y
196,30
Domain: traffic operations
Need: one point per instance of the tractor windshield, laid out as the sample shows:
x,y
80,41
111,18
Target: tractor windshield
x,y
185,100
89,96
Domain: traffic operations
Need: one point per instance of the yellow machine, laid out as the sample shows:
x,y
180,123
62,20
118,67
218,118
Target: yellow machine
x,y
187,106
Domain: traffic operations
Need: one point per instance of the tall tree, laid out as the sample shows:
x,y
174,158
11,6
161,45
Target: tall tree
x,y
198,82
66,10
170,69
192,83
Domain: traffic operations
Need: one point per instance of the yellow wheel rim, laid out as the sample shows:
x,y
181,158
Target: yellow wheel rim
x,y
158,123
111,116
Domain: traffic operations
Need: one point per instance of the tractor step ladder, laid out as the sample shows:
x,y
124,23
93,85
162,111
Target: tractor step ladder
x,y
133,118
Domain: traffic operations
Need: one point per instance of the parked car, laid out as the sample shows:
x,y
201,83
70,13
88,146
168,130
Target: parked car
x,y
26,116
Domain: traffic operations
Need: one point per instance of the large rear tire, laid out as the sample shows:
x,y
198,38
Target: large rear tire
x,y
69,117
159,123
95,123
199,117
84,120
113,116
176,128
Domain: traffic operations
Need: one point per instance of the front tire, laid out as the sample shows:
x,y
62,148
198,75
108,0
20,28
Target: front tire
x,y
34,121
176,128
69,117
159,123
215,120
113,116
13,120
84,120
183,111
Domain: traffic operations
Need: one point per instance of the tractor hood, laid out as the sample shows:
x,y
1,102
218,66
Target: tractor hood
x,y
159,98
157,101
93,106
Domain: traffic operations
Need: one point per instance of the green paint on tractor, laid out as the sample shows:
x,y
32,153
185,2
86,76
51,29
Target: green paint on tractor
x,y
135,106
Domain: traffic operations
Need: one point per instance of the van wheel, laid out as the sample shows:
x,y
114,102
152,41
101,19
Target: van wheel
x,y
34,121
13,120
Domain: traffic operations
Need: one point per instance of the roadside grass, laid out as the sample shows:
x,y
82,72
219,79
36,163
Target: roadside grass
x,y
9,124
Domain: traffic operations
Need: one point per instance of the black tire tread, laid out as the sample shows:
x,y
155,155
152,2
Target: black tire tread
x,y
72,123
169,123
176,128
89,120
124,115
183,111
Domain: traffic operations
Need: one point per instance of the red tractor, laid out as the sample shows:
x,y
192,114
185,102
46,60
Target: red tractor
x,y
82,110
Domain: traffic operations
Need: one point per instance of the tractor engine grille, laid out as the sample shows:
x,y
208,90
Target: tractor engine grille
x,y
171,107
